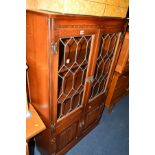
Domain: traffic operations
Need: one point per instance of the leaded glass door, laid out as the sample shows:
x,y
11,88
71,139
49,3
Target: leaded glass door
x,y
75,47
105,58
107,51
74,52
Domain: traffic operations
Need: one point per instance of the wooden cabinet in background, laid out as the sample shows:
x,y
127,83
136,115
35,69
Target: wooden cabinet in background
x,y
71,60
119,86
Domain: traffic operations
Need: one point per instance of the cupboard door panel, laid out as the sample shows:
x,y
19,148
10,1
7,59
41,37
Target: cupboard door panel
x,y
66,136
95,102
91,117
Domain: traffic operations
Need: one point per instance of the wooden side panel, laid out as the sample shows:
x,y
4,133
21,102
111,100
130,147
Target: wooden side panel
x,y
37,61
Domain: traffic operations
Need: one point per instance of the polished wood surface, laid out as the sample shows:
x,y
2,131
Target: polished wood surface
x,y
34,124
52,42
37,61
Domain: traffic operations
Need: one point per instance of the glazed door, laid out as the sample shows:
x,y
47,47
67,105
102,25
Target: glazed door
x,y
74,52
72,60
104,63
107,53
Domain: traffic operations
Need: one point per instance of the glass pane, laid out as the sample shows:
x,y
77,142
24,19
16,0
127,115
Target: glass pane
x,y
103,64
73,62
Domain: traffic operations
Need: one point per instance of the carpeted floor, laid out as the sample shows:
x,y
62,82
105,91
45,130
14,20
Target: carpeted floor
x,y
110,137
